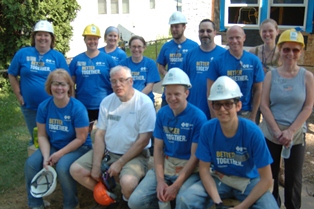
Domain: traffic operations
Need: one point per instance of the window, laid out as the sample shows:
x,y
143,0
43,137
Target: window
x,y
114,6
102,7
242,12
152,4
125,7
288,12
250,13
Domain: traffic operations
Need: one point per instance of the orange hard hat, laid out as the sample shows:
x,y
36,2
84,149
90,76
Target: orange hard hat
x,y
102,196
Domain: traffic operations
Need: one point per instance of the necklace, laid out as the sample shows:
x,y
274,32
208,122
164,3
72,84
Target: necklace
x,y
264,59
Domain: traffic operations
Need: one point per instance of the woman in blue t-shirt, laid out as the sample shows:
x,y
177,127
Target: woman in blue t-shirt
x,y
30,68
111,48
63,137
144,70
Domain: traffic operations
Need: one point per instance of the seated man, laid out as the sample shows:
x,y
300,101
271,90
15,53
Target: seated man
x,y
176,136
125,124
236,149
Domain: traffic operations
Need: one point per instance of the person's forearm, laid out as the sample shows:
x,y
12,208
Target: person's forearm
x,y
257,93
159,163
162,70
209,184
136,148
148,88
186,171
98,149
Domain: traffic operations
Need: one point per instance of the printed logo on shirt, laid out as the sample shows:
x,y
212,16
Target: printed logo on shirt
x,y
50,61
113,117
143,69
227,158
137,76
100,64
186,126
202,66
79,63
30,58
90,70
67,117
57,125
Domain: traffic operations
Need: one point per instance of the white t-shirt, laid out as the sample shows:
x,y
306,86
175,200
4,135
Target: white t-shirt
x,y
124,121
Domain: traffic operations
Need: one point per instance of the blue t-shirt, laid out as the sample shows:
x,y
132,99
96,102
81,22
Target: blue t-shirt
x,y
117,55
143,73
245,71
240,155
92,78
33,70
196,65
179,132
61,122
173,54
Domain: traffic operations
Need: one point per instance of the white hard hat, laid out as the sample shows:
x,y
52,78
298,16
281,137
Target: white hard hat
x,y
44,25
177,18
224,88
176,76
44,182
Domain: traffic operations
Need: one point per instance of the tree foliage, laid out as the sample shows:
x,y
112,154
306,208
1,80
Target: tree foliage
x,y
18,17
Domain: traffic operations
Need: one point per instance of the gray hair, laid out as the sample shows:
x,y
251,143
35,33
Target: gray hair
x,y
119,68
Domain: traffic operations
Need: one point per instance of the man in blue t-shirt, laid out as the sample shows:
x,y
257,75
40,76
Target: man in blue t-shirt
x,y
197,61
176,136
173,52
243,67
234,158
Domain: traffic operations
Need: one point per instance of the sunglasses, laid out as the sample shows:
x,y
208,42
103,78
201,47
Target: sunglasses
x,y
294,50
218,105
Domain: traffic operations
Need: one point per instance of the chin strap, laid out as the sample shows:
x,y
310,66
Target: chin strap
x,y
45,175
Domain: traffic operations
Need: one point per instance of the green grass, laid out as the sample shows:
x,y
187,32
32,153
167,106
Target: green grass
x,y
152,49
14,139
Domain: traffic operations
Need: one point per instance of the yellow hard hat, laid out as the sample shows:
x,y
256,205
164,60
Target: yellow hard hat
x,y
91,30
291,35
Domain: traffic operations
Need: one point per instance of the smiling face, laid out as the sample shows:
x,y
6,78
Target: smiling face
x,y
137,48
176,97
112,39
226,110
206,33
269,32
235,38
43,40
91,42
122,84
59,87
290,52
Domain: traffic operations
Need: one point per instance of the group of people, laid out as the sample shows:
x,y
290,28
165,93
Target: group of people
x,y
207,145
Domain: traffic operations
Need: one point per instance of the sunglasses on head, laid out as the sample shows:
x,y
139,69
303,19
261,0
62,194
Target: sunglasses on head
x,y
294,50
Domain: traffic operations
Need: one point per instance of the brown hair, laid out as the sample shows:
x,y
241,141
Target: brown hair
x,y
137,38
53,39
62,73
269,20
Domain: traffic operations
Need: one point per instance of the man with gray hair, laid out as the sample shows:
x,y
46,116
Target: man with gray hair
x,y
125,124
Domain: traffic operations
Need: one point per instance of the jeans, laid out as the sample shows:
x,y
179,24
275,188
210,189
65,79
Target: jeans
x,y
293,174
30,119
196,196
35,163
145,195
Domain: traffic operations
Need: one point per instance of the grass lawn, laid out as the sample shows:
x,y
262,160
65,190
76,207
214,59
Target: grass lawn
x,y
14,139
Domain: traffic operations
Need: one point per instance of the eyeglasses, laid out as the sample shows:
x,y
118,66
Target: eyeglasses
x,y
137,47
121,80
56,84
294,50
227,105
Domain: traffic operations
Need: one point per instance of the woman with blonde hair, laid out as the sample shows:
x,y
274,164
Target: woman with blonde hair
x,y
287,102
63,137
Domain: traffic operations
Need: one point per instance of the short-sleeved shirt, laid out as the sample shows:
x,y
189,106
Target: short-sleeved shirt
x,y
246,71
240,155
124,121
172,54
179,132
143,73
61,122
33,70
117,55
196,65
92,78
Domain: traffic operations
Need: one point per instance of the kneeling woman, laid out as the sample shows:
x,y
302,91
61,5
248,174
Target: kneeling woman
x,y
62,123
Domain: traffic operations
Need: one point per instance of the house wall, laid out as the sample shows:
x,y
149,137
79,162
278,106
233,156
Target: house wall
x,y
149,23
